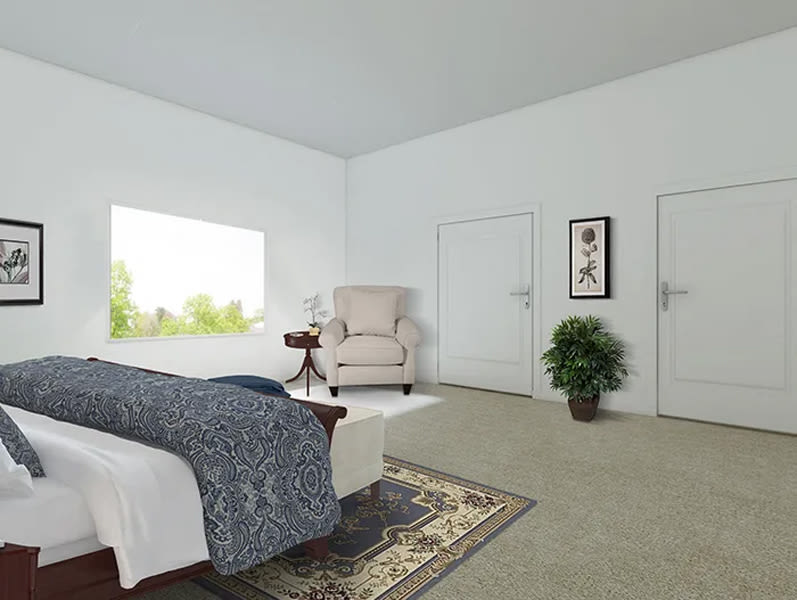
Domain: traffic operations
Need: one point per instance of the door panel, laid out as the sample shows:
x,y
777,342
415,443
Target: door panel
x,y
485,331
496,260
726,350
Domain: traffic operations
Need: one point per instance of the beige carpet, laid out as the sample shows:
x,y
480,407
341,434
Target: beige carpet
x,y
630,507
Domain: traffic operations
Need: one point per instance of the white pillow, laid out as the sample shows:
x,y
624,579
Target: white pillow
x,y
15,480
372,312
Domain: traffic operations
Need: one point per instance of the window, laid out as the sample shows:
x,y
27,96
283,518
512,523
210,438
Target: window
x,y
172,276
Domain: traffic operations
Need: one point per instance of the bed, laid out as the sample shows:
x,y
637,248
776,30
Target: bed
x,y
68,535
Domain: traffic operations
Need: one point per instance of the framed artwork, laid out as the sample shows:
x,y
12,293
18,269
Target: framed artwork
x,y
21,262
589,258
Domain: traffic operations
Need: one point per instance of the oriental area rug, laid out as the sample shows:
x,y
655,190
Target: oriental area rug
x,y
423,526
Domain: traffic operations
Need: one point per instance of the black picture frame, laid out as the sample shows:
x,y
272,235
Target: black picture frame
x,y
598,250
21,284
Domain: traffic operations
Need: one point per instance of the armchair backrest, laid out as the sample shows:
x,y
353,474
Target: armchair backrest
x,y
341,298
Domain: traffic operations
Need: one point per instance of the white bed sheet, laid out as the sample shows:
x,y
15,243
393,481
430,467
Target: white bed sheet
x,y
143,501
55,554
54,518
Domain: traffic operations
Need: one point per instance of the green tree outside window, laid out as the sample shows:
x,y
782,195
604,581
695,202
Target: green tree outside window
x,y
200,316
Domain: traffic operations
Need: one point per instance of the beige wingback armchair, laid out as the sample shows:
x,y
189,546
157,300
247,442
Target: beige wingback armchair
x,y
370,340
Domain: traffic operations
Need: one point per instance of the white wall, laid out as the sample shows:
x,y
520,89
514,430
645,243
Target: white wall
x,y
603,151
70,145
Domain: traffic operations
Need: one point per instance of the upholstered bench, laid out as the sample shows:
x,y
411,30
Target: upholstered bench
x,y
358,444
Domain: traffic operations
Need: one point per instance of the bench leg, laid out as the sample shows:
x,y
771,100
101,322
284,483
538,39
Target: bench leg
x,y
376,491
317,549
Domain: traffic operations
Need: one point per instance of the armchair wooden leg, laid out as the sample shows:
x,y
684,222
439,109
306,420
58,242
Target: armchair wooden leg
x,y
333,389
376,491
407,389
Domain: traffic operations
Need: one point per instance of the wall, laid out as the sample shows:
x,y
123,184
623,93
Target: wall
x,y
71,145
603,151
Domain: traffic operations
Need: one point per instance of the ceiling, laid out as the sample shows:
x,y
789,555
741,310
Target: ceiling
x,y
352,76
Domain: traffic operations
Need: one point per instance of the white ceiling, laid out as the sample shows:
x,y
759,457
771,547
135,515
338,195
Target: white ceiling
x,y
352,76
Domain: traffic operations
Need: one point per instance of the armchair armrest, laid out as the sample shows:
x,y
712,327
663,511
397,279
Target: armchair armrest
x,y
407,333
333,334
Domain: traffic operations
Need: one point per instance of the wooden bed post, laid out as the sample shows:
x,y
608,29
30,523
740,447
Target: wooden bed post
x,y
317,549
376,491
18,566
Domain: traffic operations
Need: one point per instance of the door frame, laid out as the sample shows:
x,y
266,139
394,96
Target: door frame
x,y
703,185
534,210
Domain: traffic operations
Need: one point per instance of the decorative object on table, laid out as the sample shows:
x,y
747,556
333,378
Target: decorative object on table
x,y
312,305
309,342
584,360
425,525
589,258
21,262
370,340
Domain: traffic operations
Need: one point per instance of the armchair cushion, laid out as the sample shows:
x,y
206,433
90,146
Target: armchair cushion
x,y
370,350
372,312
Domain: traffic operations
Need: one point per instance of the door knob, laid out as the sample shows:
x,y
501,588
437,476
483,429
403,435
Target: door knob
x,y
666,292
527,294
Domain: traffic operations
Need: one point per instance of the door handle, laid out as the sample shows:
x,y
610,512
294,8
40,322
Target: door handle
x,y
527,294
666,292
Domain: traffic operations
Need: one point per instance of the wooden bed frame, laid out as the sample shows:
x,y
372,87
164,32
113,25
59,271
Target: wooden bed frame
x,y
95,576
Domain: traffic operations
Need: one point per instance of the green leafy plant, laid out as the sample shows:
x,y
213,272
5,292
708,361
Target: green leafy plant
x,y
584,359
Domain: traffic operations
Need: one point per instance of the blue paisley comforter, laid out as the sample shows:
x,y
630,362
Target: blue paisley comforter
x,y
261,462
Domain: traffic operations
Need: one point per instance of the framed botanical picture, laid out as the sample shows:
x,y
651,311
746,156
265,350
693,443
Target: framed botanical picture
x,y
21,262
589,258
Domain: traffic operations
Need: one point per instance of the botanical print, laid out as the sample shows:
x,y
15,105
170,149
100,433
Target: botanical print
x,y
587,272
21,262
14,262
589,258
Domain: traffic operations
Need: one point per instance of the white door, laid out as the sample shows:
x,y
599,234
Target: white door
x,y
485,304
727,337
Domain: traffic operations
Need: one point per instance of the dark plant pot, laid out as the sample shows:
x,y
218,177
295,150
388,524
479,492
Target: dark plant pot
x,y
584,411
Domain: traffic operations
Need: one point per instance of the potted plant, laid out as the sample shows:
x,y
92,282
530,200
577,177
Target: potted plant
x,y
312,305
584,360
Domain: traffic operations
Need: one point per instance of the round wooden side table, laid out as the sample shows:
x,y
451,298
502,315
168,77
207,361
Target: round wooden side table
x,y
302,339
